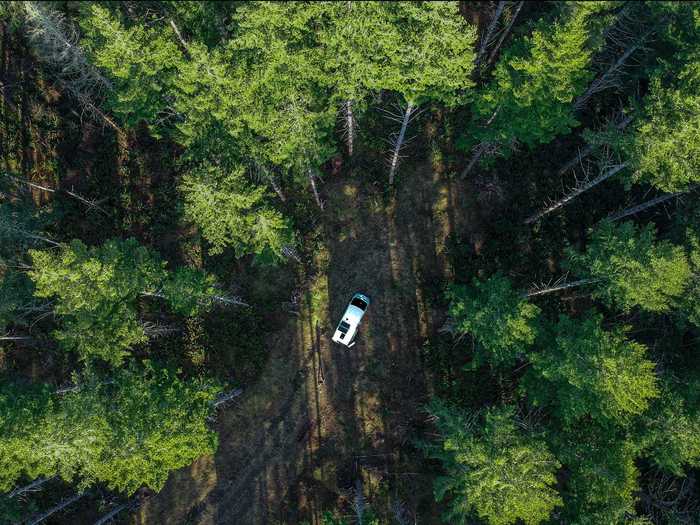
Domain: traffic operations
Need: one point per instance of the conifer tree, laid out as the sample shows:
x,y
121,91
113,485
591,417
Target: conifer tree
x,y
530,98
499,318
492,469
631,268
96,291
588,371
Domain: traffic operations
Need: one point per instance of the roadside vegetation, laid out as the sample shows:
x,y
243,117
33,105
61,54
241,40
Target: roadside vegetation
x,y
190,193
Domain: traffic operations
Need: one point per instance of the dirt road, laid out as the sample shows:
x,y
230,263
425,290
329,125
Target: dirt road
x,y
321,416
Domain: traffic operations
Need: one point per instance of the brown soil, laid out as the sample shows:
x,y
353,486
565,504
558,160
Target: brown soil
x,y
321,416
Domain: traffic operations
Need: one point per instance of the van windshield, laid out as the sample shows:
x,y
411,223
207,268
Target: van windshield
x,y
344,327
359,303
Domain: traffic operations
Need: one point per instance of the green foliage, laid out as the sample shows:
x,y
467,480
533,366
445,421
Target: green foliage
x,y
631,268
537,79
127,432
498,317
603,476
141,63
669,432
426,53
157,424
663,148
492,469
232,213
96,292
587,371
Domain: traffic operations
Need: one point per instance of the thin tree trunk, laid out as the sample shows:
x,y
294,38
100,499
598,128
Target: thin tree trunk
x,y
575,193
556,288
399,142
62,505
112,513
645,205
489,32
183,45
585,152
602,82
478,153
34,485
228,397
349,126
276,187
504,35
312,180
80,198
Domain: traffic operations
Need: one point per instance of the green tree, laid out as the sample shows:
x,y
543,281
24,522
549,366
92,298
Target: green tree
x,y
127,432
669,432
588,371
492,469
142,64
499,318
232,212
603,477
96,292
530,97
631,268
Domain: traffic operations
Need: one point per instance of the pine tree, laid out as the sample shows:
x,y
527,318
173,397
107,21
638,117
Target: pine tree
x,y
632,268
499,318
588,371
530,98
96,292
492,468
603,478
232,213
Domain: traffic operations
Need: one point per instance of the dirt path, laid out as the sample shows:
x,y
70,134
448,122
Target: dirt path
x,y
321,417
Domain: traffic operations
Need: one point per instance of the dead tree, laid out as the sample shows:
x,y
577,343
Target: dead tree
x,y
590,148
219,299
55,43
225,398
87,202
487,39
262,174
53,510
34,486
576,191
504,35
116,510
557,286
312,181
482,148
644,206
611,76
348,125
399,141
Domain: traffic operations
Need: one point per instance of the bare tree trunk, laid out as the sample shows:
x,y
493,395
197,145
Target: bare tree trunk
x,y
183,45
312,180
489,33
504,35
575,193
399,142
90,204
62,505
276,187
9,338
585,152
608,78
558,287
112,513
645,205
225,398
349,127
31,487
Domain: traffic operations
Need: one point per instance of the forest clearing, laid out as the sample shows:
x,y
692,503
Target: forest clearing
x,y
192,192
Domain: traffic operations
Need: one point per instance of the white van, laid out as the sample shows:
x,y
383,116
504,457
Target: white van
x,y
347,328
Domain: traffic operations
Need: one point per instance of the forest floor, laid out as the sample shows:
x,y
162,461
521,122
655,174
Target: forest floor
x,y
321,418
